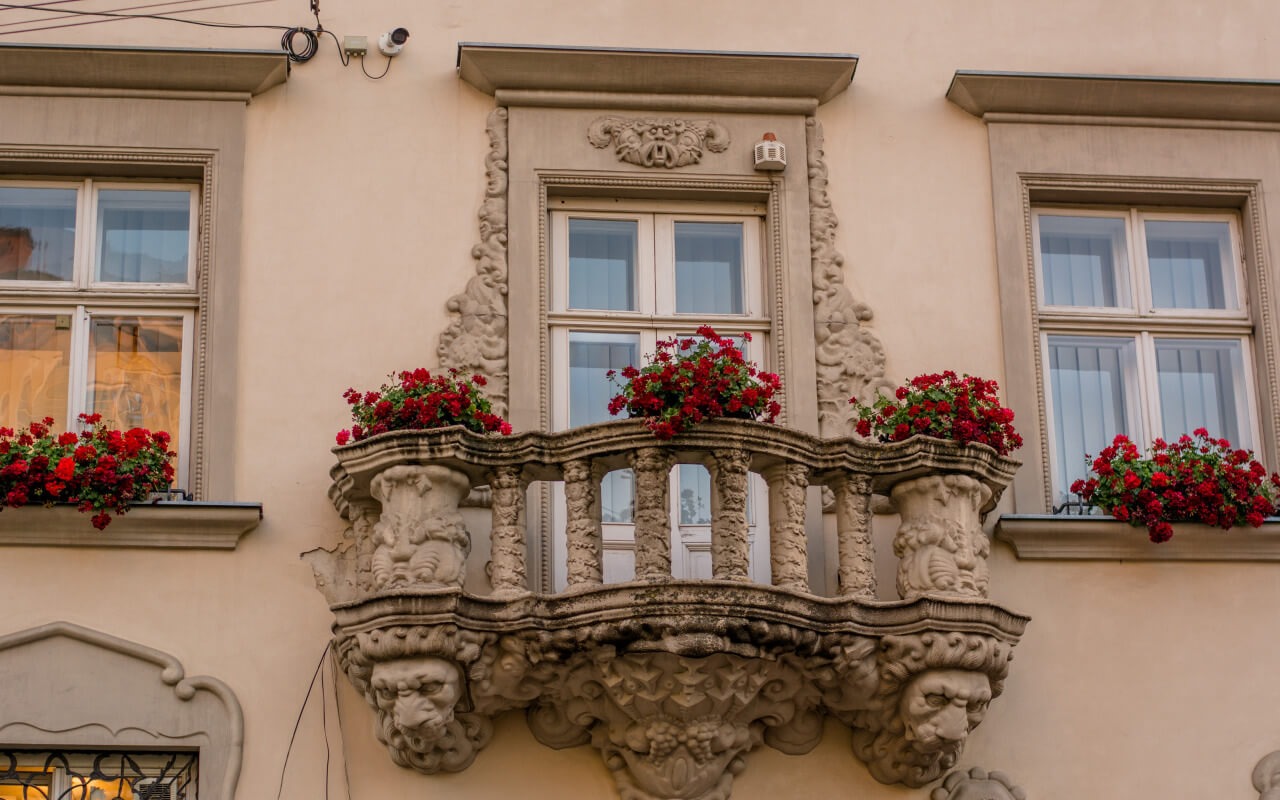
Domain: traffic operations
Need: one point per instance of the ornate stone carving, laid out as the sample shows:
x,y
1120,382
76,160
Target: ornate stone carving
x,y
413,677
729,530
582,529
419,539
977,784
508,573
850,358
853,531
1266,776
940,544
652,465
476,339
674,682
658,142
934,690
788,544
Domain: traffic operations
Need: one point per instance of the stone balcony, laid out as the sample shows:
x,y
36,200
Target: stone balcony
x,y
674,681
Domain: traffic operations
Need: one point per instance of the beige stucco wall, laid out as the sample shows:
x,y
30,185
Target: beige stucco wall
x,y
358,221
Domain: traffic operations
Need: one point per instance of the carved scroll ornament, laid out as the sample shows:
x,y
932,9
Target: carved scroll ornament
x,y
940,544
1266,776
850,358
658,142
476,339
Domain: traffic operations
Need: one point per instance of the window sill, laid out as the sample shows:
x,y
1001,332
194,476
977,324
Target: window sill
x,y
1046,536
164,525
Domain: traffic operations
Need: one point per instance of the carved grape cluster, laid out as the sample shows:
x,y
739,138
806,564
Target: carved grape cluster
x,y
699,737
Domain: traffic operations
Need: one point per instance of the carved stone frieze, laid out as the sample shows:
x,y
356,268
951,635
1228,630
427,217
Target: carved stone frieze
x,y
977,784
850,358
419,540
658,141
475,340
940,544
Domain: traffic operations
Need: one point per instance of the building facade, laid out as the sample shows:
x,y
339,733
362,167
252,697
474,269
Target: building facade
x,y
203,233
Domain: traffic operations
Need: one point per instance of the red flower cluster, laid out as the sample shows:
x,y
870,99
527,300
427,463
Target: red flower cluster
x,y
418,400
689,380
963,409
1199,479
99,469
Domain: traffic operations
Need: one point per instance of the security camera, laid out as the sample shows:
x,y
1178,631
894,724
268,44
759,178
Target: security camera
x,y
392,42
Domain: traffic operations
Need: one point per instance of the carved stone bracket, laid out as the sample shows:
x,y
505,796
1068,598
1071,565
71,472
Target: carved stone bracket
x,y
977,784
658,141
851,360
675,698
476,339
1266,776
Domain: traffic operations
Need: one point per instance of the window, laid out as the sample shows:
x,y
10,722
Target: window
x,y
98,300
70,775
620,282
1145,330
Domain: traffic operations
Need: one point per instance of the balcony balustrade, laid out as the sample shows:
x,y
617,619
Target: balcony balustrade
x,y
674,681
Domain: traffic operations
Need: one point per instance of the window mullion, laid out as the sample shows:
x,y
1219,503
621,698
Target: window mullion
x,y
1149,383
658,264
81,365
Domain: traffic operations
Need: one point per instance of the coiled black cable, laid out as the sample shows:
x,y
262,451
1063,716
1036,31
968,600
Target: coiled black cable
x,y
310,44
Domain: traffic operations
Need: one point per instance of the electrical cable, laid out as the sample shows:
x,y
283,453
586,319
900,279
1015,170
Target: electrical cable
x,y
342,739
324,727
298,723
298,54
45,6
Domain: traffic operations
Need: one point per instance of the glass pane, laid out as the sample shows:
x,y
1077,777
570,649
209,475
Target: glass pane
x,y
1091,383
708,267
591,356
37,234
135,372
602,264
695,495
144,236
1201,386
1083,261
1191,264
35,353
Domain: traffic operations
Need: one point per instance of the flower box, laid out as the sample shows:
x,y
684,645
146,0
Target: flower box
x,y
166,525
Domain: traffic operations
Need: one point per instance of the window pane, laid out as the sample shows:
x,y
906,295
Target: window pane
x,y
591,356
602,264
35,356
1091,380
1191,264
1201,386
1083,260
135,372
708,267
695,495
37,234
144,236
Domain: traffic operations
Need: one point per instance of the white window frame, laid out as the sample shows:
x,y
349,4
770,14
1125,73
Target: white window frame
x,y
1143,324
655,318
82,298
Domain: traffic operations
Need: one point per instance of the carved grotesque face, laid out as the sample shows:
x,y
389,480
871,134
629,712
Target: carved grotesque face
x,y
418,694
940,706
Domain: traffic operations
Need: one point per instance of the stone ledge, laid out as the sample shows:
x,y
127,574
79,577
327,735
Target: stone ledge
x,y
1048,536
164,525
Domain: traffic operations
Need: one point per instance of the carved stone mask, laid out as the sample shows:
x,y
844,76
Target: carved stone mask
x,y
940,706
419,694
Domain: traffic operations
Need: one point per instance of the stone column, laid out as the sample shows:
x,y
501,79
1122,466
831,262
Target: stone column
x,y
730,556
419,540
652,466
582,530
788,542
508,556
853,536
940,544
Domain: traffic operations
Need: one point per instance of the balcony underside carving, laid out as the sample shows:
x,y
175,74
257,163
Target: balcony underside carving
x,y
673,681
